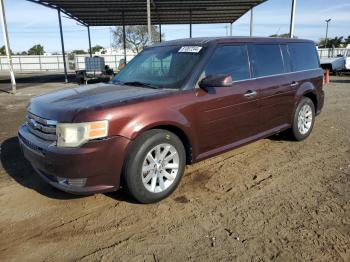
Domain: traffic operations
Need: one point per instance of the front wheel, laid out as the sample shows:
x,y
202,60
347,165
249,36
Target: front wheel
x,y
304,119
154,166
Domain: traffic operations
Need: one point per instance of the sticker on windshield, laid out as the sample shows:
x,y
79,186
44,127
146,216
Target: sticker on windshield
x,y
190,49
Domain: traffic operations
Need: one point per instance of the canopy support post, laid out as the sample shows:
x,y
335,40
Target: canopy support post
x,y
231,29
124,38
62,45
292,17
190,23
7,46
160,33
149,21
251,22
90,50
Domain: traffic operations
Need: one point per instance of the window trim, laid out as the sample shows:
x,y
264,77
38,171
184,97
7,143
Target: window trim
x,y
293,72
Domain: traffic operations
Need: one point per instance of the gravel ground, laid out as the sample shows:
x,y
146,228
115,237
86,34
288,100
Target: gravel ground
x,y
271,200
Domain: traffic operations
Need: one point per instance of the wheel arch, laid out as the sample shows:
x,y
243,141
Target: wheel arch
x,y
181,135
178,131
313,97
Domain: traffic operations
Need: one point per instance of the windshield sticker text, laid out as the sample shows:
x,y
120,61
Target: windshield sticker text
x,y
190,49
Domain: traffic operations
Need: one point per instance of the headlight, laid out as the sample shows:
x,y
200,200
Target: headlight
x,y
76,134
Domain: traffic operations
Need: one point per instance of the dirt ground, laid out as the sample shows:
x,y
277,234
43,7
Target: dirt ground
x,y
271,200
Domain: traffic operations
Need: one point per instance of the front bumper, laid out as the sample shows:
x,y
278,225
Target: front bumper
x,y
99,162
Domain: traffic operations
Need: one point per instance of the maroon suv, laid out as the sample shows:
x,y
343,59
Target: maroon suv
x,y
175,103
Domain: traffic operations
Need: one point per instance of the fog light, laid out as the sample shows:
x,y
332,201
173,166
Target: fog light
x,y
76,182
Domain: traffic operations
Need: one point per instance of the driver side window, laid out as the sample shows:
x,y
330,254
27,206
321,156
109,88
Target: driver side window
x,y
229,60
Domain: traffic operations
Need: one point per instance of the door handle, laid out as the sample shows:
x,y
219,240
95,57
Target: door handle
x,y
294,83
250,93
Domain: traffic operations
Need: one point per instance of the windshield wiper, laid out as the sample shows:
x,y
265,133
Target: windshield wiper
x,y
137,83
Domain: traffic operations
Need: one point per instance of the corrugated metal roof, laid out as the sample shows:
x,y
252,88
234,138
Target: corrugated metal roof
x,y
110,13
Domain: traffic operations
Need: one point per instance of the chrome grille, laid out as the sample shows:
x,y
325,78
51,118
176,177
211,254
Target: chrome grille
x,y
42,128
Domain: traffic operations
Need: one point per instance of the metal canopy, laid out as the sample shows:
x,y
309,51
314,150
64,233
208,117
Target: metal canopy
x,y
108,13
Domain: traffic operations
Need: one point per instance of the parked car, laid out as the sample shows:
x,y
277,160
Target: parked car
x,y
337,64
333,64
347,60
175,103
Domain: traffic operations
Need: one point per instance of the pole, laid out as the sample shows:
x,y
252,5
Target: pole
x,y
326,39
7,46
251,22
292,17
124,38
190,23
231,29
90,51
149,21
160,33
62,44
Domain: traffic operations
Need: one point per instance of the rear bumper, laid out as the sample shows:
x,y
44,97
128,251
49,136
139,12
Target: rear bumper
x,y
99,163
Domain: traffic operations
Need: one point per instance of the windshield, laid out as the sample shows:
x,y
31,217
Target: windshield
x,y
160,67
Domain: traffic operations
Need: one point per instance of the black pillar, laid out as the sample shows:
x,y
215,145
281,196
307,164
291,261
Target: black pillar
x,y
90,51
62,44
124,38
160,33
190,23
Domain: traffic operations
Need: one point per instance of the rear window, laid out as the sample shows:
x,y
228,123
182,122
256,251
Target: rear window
x,y
229,60
266,60
303,56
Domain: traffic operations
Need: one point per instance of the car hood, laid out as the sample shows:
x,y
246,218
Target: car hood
x,y
65,104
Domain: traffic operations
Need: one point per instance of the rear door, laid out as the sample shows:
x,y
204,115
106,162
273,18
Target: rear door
x,y
227,115
269,72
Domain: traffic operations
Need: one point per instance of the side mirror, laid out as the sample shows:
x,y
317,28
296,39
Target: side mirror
x,y
216,81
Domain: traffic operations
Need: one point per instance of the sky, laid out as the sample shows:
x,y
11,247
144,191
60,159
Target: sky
x,y
30,24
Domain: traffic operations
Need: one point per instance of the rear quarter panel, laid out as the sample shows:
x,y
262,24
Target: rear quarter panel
x,y
310,81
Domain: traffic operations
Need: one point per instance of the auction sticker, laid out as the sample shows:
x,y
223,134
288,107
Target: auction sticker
x,y
190,49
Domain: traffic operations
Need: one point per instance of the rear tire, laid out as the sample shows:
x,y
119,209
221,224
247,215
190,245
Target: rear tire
x,y
304,119
155,165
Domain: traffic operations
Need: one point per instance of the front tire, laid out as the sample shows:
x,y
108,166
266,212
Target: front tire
x,y
304,119
155,165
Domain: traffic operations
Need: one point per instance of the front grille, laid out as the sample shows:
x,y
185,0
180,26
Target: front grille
x,y
42,128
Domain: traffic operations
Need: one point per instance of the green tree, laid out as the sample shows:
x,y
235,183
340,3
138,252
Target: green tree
x,y
78,52
136,37
36,50
96,48
347,40
332,42
22,53
285,35
3,51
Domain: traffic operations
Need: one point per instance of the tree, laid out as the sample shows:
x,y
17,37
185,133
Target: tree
x,y
331,42
96,48
21,53
78,52
136,37
347,40
36,50
285,35
3,51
